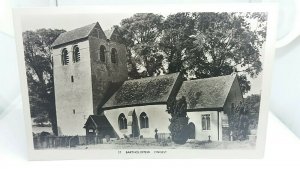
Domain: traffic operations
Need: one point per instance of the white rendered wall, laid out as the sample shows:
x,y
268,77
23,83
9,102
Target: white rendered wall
x,y
157,115
75,95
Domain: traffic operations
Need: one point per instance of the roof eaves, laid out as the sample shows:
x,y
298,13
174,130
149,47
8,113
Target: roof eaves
x,y
235,77
95,24
132,105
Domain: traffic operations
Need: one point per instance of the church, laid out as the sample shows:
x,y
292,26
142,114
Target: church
x,y
93,95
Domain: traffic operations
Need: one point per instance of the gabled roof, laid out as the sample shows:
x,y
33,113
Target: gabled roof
x,y
73,35
97,121
143,91
113,35
209,93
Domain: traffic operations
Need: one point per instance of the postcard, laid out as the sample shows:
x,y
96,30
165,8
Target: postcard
x,y
146,82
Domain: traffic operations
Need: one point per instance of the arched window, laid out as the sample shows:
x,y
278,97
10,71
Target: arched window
x,y
206,122
144,122
64,57
122,121
76,54
113,55
102,53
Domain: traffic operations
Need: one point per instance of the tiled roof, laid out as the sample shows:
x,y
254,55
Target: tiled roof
x,y
97,120
143,91
206,93
73,35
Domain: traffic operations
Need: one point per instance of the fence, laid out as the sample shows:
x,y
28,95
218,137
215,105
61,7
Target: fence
x,y
164,136
43,142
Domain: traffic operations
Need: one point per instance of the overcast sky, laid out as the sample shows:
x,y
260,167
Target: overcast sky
x,y
106,21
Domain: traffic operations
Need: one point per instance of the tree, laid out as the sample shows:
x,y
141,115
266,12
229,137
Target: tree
x,y
239,122
39,71
41,119
140,34
177,29
214,44
252,105
179,127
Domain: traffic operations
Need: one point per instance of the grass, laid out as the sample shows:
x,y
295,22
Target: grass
x,y
152,144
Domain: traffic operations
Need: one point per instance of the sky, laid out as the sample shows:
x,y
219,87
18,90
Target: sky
x,y
106,21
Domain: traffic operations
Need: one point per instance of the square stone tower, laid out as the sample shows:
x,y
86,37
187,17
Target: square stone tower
x,y
88,66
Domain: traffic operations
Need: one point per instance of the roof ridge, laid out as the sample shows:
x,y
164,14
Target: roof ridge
x,y
81,27
209,78
74,34
153,77
92,27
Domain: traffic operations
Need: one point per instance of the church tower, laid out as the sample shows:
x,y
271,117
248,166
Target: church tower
x,y
88,66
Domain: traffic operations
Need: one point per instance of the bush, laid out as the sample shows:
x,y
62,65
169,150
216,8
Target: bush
x,y
179,128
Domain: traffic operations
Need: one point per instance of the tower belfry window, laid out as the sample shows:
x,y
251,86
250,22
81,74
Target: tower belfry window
x,y
113,55
64,57
102,53
76,54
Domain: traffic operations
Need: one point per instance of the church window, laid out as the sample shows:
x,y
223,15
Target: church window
x,y
102,53
144,122
72,79
122,121
64,57
205,122
76,54
113,55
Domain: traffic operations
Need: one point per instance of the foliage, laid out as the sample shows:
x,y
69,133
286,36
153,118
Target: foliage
x,y
41,119
140,34
135,127
239,122
200,45
179,127
252,105
244,117
177,30
39,72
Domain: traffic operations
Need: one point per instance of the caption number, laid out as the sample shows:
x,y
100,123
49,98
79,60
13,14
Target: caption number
x,y
119,152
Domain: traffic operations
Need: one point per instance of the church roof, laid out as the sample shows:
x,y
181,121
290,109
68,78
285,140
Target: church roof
x,y
97,121
206,93
73,35
151,90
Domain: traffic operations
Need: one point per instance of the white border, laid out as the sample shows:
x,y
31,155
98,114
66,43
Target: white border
x,y
60,154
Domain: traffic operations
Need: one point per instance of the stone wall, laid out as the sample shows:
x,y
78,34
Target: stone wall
x,y
106,76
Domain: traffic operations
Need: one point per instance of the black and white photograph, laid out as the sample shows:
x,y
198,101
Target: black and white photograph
x,y
142,81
